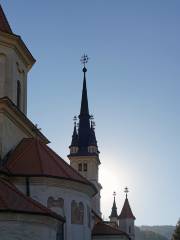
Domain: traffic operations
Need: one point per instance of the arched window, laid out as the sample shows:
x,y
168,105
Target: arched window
x,y
56,204
74,212
80,167
77,213
85,167
18,94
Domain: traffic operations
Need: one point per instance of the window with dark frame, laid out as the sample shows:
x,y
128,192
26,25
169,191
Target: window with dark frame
x,y
80,167
85,167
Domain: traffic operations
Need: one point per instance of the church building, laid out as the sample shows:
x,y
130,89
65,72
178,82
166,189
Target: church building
x,y
41,195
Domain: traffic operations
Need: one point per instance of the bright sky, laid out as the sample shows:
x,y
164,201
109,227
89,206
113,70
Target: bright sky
x,y
133,87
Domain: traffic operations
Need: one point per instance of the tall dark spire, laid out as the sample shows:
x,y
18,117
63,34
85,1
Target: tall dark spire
x,y
84,100
85,132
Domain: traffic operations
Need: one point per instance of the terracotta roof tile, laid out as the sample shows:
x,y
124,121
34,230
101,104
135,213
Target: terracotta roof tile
x,y
4,25
102,228
126,211
12,200
32,157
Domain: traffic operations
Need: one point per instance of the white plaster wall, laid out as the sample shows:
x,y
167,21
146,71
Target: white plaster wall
x,y
42,190
92,175
27,227
10,135
124,225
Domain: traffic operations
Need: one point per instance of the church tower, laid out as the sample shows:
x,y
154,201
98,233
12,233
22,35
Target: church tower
x,y
126,218
15,63
84,153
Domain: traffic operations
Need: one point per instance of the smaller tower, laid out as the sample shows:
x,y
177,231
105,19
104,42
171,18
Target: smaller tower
x,y
126,218
114,216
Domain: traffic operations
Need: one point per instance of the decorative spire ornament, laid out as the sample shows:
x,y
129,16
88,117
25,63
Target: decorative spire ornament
x,y
126,190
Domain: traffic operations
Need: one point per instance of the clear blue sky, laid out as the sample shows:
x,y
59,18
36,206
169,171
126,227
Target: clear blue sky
x,y
133,88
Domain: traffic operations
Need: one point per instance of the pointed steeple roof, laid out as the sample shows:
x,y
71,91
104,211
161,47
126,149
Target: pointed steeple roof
x,y
4,24
126,211
92,138
114,209
85,133
74,142
84,100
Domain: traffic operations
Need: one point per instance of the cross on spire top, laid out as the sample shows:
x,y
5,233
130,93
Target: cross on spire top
x,y
84,61
126,190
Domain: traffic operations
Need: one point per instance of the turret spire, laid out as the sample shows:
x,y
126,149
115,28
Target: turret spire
x,y
4,24
74,142
126,212
126,218
114,208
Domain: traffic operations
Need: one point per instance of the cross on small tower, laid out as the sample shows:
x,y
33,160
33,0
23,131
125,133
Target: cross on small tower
x,y
84,59
114,194
126,190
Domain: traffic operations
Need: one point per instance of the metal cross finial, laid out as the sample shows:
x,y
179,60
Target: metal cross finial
x,y
84,59
75,119
114,194
126,190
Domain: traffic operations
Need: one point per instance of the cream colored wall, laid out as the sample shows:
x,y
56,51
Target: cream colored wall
x,y
43,188
10,134
12,69
27,227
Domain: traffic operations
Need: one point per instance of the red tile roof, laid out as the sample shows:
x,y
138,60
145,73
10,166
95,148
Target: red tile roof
x,y
126,211
4,25
12,200
102,228
32,157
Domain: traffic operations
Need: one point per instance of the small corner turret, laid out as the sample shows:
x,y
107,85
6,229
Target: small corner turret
x,y
114,216
126,218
